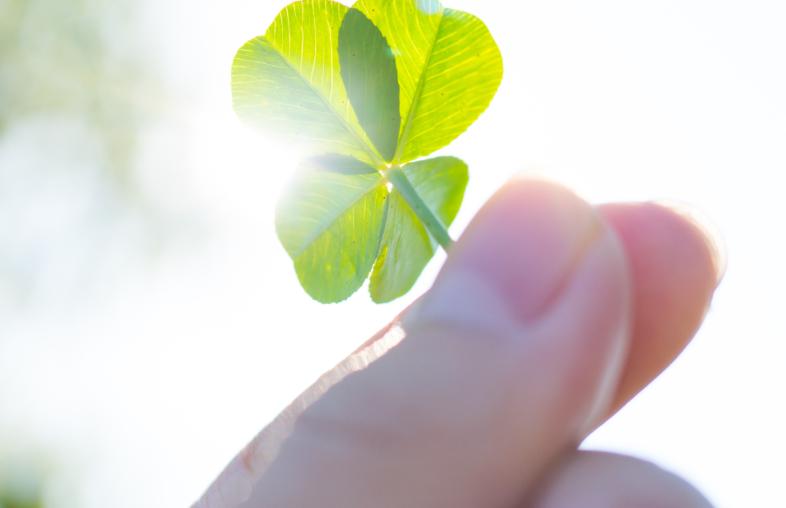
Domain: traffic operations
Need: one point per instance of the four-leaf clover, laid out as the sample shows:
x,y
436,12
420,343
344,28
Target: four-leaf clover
x,y
364,93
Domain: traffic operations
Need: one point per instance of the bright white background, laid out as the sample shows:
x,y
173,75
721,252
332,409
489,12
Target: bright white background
x,y
149,387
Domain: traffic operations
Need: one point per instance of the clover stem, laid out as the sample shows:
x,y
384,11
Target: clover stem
x,y
432,223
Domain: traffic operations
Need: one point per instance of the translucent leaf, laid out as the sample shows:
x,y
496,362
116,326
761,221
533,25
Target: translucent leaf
x,y
331,225
334,163
363,92
406,245
449,69
368,69
287,84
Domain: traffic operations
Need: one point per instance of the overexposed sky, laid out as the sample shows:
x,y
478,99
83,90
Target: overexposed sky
x,y
156,385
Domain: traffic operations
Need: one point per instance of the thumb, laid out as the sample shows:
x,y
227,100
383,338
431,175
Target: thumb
x,y
539,271
506,360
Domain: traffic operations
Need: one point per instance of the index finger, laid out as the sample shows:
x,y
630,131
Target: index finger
x,y
677,259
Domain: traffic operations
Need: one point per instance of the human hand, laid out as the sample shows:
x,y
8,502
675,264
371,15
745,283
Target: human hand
x,y
548,316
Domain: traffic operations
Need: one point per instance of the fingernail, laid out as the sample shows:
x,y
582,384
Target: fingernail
x,y
711,233
513,259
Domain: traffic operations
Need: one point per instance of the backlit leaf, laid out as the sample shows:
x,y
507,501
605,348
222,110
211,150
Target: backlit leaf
x,y
368,69
334,163
331,225
287,83
449,69
363,93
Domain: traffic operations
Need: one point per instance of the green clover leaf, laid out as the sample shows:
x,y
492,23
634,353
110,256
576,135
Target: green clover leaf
x,y
330,225
363,92
449,70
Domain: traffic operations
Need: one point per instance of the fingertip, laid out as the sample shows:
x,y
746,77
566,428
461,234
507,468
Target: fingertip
x,y
675,267
710,233
675,236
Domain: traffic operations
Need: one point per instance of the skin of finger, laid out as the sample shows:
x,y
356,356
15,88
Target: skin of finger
x,y
663,327
234,485
606,480
674,277
461,417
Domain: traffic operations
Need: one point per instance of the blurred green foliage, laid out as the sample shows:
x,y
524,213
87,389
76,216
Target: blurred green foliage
x,y
82,90
8,502
88,62
75,58
22,479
